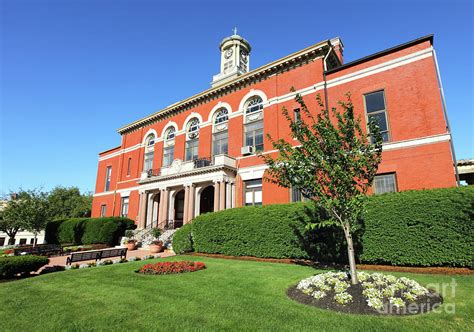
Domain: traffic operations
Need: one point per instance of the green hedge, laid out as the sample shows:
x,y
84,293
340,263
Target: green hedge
x,y
182,240
11,265
87,230
416,228
429,227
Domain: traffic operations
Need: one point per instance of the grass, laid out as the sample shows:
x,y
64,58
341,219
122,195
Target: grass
x,y
230,295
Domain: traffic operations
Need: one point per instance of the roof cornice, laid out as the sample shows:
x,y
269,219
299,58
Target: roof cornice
x,y
260,73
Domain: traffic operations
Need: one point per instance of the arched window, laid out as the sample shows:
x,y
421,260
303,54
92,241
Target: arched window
x,y
168,149
222,115
149,152
220,133
253,128
253,105
192,139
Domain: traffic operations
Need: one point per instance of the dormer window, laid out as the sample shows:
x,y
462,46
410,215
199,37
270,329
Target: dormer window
x,y
255,104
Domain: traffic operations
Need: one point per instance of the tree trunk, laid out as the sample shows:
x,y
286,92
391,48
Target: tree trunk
x,y
34,241
11,240
351,256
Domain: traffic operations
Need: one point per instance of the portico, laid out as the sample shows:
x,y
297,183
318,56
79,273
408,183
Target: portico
x,y
175,195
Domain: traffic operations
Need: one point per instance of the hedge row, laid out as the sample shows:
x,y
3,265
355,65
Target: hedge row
x,y
11,265
414,228
87,230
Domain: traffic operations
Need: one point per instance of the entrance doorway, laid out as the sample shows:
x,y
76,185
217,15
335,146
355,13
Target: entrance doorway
x,y
179,209
206,203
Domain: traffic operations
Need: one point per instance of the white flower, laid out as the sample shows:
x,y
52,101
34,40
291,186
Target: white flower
x,y
83,266
318,295
116,261
410,297
375,303
397,302
341,286
362,276
132,259
372,293
343,298
99,263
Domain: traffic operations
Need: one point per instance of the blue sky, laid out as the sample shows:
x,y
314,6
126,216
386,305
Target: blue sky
x,y
72,72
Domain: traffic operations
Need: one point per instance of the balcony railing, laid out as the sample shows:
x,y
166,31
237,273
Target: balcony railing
x,y
184,166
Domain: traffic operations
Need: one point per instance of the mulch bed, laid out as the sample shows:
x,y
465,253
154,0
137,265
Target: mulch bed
x,y
391,268
359,305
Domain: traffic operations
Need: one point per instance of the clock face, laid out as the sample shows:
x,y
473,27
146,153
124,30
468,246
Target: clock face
x,y
228,53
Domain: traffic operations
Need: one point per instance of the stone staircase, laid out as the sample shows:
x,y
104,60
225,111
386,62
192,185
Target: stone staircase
x,y
145,237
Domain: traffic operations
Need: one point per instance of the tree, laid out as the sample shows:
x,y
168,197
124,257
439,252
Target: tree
x,y
334,165
10,221
29,211
69,203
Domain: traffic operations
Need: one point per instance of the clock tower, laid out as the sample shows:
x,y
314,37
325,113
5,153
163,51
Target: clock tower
x,y
235,52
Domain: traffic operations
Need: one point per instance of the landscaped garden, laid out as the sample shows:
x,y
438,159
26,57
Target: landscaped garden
x,y
228,294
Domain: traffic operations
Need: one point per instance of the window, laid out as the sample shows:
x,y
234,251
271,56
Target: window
x,y
253,192
168,155
192,149
193,128
22,242
254,104
129,166
296,195
219,143
221,116
124,211
168,150
2,241
148,161
376,111
149,153
254,135
103,210
32,240
297,115
385,183
108,177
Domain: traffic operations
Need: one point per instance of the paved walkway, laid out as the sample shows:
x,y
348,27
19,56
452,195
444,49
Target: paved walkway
x,y
61,260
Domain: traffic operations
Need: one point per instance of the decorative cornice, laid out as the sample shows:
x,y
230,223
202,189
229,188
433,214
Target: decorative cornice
x,y
196,171
286,63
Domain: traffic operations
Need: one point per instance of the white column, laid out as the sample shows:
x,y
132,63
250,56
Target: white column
x,y
228,195
186,204
222,196
233,203
216,196
191,203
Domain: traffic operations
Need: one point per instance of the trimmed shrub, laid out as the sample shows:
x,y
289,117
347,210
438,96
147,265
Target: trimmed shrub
x,y
415,228
182,240
11,265
428,227
87,230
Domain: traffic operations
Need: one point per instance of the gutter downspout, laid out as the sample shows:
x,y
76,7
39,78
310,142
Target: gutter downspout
x,y
325,68
445,112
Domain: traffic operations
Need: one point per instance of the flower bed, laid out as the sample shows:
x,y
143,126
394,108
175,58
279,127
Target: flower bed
x,y
172,267
376,293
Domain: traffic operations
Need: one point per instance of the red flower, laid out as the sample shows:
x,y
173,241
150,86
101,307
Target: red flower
x,y
172,267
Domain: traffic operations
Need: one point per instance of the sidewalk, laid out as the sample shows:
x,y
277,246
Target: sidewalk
x,y
61,260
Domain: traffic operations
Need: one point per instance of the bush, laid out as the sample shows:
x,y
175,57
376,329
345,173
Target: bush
x,y
417,228
182,240
87,230
11,265
425,228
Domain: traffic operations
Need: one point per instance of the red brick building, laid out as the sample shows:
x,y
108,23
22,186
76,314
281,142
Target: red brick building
x,y
198,155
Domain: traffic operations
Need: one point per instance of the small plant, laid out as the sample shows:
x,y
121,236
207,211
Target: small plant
x,y
343,298
129,233
108,262
156,233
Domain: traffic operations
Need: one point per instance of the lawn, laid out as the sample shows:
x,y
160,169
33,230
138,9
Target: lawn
x,y
229,294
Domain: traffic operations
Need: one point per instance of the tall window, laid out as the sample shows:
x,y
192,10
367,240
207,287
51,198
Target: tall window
x,y
297,115
220,136
253,192
297,195
376,111
124,211
108,177
103,210
168,151
385,183
192,142
254,135
149,152
253,129
129,166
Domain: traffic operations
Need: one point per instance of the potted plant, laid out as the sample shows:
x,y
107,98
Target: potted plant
x,y
156,245
131,242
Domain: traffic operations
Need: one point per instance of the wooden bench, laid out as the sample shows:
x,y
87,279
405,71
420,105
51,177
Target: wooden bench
x,y
39,249
96,255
